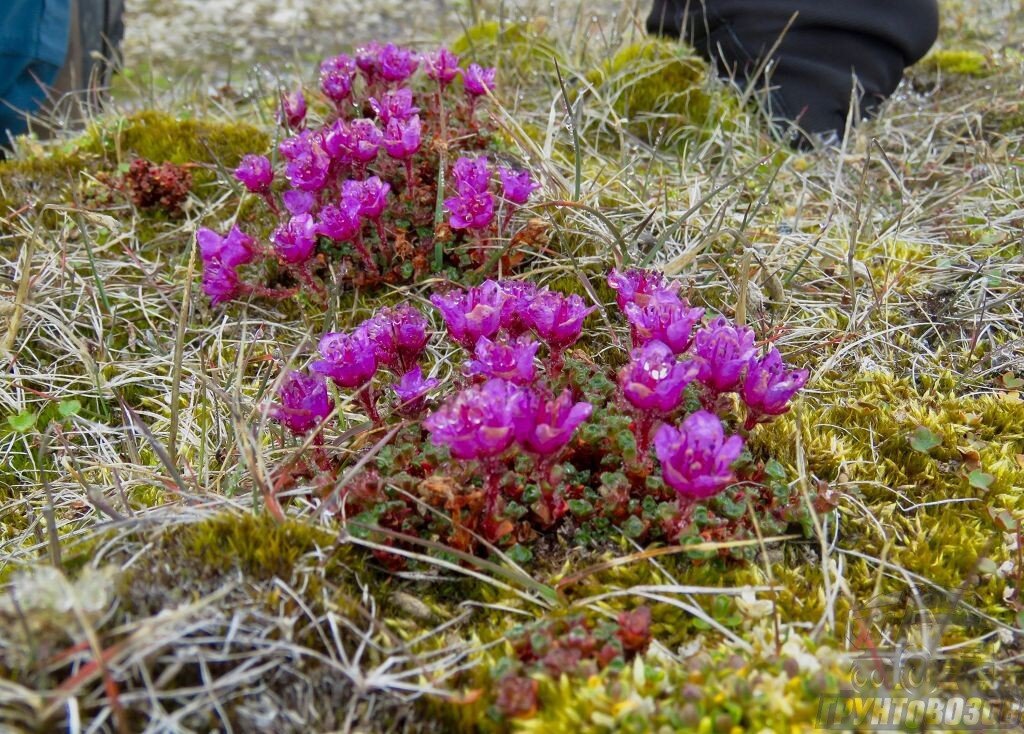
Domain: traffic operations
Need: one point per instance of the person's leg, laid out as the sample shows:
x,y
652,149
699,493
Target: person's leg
x,y
813,64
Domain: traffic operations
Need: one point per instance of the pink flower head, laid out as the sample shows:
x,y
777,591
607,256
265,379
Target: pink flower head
x,y
255,173
409,326
545,425
371,196
472,313
336,77
519,295
291,148
471,175
477,80
348,359
340,222
670,321
640,286
303,402
653,380
402,138
309,170
723,350
412,388
236,249
293,109
442,66
696,461
769,386
517,185
295,240
470,211
358,141
557,318
298,202
394,104
477,422
220,282
512,361
396,64
368,59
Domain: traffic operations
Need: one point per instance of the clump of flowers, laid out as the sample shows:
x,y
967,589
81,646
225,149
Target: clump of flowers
x,y
354,194
530,434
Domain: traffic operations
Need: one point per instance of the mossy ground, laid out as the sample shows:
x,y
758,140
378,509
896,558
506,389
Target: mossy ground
x,y
895,278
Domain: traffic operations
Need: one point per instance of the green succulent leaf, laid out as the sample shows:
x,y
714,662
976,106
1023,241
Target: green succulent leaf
x,y
924,440
980,480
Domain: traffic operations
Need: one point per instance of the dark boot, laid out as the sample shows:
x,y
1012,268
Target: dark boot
x,y
812,69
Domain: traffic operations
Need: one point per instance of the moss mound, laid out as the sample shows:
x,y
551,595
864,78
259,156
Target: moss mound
x,y
959,62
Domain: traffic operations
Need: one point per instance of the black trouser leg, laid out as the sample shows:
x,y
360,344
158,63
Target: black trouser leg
x,y
827,45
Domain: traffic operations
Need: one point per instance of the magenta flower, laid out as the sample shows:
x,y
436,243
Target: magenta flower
x,y
368,59
308,171
364,141
340,222
768,387
348,359
669,320
639,286
295,240
442,66
512,361
653,381
471,175
517,185
220,282
398,335
402,137
478,422
394,105
293,109
236,249
472,313
557,318
303,402
412,388
519,295
696,461
291,148
396,64
336,77
545,425
370,195
470,211
722,350
298,202
477,80
255,173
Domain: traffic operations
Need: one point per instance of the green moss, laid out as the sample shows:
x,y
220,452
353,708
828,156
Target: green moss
x,y
960,62
521,51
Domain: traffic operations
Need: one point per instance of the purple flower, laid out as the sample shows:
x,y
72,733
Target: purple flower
x,y
512,361
348,359
298,202
472,313
368,59
470,211
411,388
477,422
394,105
308,171
442,66
397,64
303,402
477,80
545,425
255,173
723,350
471,175
336,77
668,320
370,195
402,137
409,326
696,460
517,185
557,318
364,141
639,286
340,222
291,148
768,386
220,282
519,296
293,109
236,249
295,240
654,381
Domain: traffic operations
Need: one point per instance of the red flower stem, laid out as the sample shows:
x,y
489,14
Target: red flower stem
x,y
368,400
410,182
274,293
382,235
555,362
308,279
271,204
508,218
371,264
